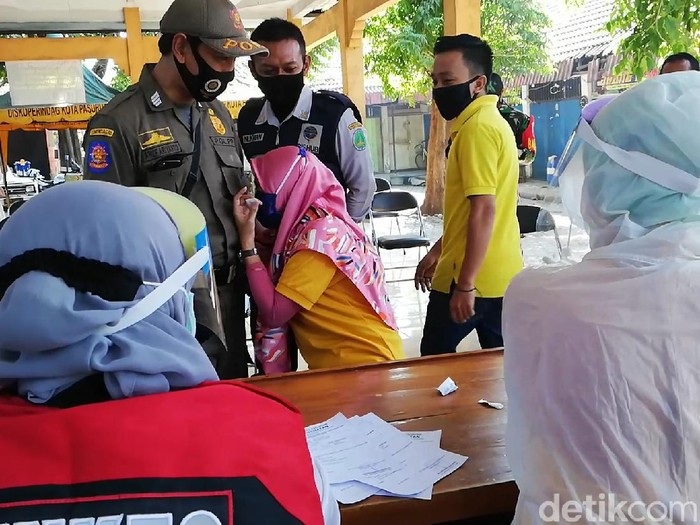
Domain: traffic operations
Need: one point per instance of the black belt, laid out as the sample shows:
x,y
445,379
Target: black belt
x,y
224,275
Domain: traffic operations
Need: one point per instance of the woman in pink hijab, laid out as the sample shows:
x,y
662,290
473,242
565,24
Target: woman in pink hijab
x,y
324,279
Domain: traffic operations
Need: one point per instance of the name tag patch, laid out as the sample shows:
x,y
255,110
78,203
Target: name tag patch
x,y
162,151
255,137
310,137
223,141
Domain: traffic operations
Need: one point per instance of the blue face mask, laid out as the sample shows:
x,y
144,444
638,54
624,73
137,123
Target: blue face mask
x,y
268,214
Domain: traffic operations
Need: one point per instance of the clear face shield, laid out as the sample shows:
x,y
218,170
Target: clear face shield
x,y
590,200
192,230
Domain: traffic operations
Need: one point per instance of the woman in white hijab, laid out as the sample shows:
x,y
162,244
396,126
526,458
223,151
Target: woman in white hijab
x,y
602,363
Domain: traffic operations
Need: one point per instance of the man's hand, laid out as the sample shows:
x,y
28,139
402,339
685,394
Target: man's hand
x,y
462,304
426,270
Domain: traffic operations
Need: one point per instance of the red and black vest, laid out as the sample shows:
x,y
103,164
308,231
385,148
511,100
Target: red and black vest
x,y
220,454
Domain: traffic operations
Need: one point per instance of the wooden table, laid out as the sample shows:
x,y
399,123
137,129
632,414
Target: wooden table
x,y
404,393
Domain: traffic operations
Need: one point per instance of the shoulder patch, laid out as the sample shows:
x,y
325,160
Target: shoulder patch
x,y
155,137
101,132
99,156
354,125
359,140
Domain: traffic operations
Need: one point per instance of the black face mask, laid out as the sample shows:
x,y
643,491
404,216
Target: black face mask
x,y
452,100
282,91
209,83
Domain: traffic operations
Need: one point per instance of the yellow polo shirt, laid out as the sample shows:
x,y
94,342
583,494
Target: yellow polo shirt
x,y
483,160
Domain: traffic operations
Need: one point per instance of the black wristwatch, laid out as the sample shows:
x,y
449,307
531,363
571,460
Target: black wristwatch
x,y
248,253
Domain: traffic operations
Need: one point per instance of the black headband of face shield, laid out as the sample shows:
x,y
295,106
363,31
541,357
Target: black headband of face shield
x,y
108,281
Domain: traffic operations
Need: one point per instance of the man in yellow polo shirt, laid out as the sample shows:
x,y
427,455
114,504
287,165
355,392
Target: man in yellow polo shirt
x,y
470,267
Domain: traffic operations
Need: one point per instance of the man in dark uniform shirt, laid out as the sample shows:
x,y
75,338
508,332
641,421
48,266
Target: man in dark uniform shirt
x,y
325,122
168,131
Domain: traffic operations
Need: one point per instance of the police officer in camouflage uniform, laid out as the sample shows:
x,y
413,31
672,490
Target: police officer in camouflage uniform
x,y
169,131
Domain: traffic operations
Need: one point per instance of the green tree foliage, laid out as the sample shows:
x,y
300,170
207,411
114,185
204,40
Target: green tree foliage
x,y
121,80
401,41
652,29
322,54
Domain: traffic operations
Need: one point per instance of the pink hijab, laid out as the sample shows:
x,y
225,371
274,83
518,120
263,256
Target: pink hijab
x,y
314,217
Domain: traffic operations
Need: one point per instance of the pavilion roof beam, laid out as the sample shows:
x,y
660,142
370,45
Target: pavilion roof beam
x,y
303,7
333,21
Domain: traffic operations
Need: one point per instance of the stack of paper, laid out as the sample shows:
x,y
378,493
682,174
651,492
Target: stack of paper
x,y
366,456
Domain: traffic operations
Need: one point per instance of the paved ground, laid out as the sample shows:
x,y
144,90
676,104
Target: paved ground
x,y
538,249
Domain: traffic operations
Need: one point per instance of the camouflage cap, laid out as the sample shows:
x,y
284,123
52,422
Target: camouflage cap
x,y
217,23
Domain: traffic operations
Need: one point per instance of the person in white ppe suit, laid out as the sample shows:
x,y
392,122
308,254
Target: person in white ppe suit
x,y
602,360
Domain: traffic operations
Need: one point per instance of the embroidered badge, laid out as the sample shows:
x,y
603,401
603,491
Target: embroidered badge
x,y
359,141
310,132
99,157
236,19
354,125
155,137
310,137
101,132
216,123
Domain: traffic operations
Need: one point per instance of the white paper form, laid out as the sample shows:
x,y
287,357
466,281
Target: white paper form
x,y
364,455
434,463
429,438
353,491
338,444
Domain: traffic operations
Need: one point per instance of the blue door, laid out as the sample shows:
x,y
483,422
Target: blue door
x,y
554,123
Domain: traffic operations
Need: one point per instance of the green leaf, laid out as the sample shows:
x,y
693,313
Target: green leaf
x,y
655,28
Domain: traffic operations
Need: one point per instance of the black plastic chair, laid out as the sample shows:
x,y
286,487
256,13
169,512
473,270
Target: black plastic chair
x,y
535,219
15,206
382,184
398,202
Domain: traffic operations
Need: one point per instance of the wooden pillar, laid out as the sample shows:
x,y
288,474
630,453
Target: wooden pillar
x,y
296,21
134,42
462,16
352,57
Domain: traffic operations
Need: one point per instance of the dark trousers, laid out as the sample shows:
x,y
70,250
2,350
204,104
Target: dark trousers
x,y
234,363
441,335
